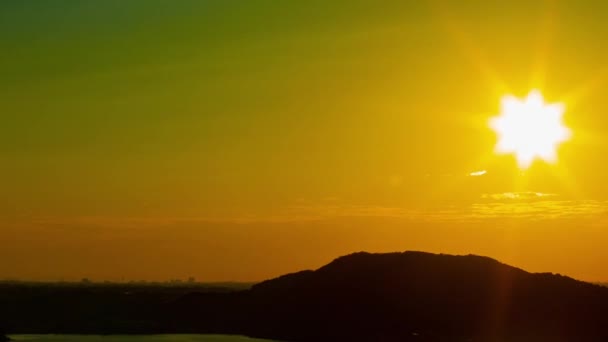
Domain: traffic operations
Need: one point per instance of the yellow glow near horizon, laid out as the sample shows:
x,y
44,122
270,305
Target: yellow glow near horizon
x,y
529,128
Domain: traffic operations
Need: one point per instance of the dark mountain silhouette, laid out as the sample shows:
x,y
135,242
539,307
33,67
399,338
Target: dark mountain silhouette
x,y
410,296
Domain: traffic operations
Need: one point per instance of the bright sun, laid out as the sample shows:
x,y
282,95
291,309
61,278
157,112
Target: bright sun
x,y
529,128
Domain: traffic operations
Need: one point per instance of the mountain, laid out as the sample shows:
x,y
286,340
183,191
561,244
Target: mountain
x,y
410,296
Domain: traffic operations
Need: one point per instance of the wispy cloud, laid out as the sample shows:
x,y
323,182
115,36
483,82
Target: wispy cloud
x,y
478,173
524,205
527,195
540,210
530,206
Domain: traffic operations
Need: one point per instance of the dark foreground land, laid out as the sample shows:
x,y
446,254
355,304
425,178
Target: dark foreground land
x,y
411,296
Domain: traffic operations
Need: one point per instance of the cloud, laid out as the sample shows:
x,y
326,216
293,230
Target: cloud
x,y
528,206
478,173
541,209
531,206
527,195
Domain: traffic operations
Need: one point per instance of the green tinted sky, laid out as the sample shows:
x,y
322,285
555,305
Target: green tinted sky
x,y
179,133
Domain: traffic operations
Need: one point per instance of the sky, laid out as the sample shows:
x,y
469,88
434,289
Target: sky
x,y
157,139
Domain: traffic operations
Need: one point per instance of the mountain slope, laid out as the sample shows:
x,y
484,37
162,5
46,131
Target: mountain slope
x,y
413,296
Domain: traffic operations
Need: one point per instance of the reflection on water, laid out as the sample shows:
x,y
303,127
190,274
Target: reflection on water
x,y
134,338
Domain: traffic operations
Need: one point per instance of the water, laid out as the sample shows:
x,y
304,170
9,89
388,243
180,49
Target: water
x,y
134,338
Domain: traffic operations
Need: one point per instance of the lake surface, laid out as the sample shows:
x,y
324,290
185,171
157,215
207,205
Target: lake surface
x,y
134,338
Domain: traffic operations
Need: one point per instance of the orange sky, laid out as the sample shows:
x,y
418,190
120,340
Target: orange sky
x,y
157,140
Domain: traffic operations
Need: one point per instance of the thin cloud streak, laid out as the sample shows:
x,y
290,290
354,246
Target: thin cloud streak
x,y
529,206
527,195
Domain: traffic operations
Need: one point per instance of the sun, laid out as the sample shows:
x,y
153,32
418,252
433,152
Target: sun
x,y
529,128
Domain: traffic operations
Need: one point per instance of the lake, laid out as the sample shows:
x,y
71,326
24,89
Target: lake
x,y
134,338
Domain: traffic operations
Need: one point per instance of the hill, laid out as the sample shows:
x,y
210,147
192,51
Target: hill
x,y
410,296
